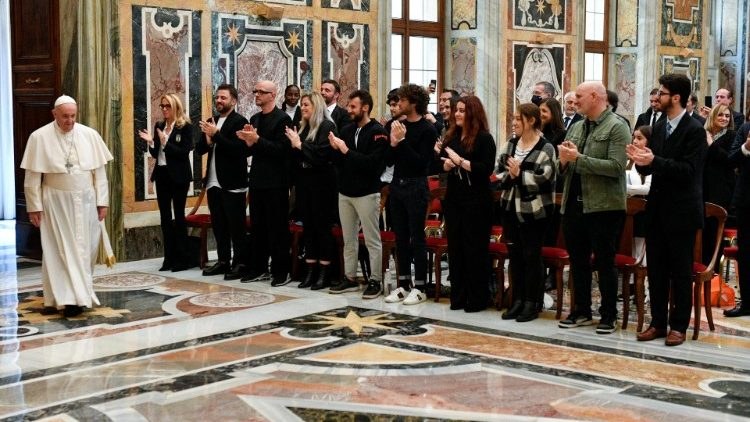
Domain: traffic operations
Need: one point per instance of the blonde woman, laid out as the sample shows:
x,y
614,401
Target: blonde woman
x,y
316,187
170,144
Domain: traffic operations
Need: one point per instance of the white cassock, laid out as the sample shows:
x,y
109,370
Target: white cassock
x,y
65,178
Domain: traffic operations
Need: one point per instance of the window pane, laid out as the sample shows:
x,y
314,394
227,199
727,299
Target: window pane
x,y
396,9
416,52
423,10
397,50
430,53
396,78
594,67
595,20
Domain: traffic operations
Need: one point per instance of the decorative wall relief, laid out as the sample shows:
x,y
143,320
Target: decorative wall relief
x,y
166,59
689,67
464,14
533,63
728,75
346,56
362,5
540,15
681,23
463,64
625,83
626,23
728,11
246,49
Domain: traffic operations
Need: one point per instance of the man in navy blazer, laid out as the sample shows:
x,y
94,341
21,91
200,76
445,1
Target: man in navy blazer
x,y
674,212
226,183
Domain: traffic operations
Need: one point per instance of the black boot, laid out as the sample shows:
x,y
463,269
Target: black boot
x,y
514,310
529,312
322,281
310,276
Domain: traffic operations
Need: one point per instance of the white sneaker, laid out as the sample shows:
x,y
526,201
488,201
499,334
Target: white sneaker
x,y
415,296
396,296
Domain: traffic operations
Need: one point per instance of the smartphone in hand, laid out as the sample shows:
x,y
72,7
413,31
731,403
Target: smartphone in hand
x,y
708,101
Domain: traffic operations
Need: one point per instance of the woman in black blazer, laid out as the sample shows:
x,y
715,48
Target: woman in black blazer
x,y
172,175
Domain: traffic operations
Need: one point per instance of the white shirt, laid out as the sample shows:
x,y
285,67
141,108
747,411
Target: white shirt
x,y
212,179
331,108
291,111
161,160
674,122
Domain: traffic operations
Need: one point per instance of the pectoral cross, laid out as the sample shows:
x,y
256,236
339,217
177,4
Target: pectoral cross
x,y
68,166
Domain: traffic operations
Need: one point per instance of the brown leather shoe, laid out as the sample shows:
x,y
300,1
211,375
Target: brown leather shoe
x,y
674,338
652,333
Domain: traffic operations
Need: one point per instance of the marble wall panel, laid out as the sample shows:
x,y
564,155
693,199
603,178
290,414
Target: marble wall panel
x,y
626,23
625,83
690,67
548,15
166,59
246,49
728,75
727,31
464,64
346,56
682,21
362,5
464,14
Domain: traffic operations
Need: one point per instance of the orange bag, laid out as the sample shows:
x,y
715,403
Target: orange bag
x,y
722,294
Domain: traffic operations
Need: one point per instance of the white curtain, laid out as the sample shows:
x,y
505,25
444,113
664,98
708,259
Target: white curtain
x,y
7,177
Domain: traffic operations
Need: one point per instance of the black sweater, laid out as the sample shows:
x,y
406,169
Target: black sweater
x,y
474,185
412,156
270,167
313,162
360,168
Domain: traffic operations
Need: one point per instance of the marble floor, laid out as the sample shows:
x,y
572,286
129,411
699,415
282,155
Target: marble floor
x,y
180,346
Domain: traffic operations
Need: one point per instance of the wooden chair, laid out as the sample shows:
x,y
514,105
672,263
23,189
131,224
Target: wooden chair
x,y
498,251
202,222
627,264
296,231
556,258
437,246
387,237
702,274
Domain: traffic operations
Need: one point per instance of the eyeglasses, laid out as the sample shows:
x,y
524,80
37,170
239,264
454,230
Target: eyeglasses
x,y
260,92
662,93
167,106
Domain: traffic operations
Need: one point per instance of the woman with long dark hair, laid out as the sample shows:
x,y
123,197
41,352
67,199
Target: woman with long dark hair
x,y
527,179
172,175
553,129
467,156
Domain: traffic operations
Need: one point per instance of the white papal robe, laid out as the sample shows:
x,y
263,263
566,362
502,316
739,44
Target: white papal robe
x,y
69,197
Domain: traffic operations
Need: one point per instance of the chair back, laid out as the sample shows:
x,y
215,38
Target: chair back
x,y
634,206
711,210
198,202
434,226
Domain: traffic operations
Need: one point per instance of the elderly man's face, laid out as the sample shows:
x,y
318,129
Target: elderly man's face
x,y
65,116
722,96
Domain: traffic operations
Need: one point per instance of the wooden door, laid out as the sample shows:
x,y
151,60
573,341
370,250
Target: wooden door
x,y
35,59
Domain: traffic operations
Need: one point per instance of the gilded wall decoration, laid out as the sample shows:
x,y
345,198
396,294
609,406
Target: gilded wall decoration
x,y
246,49
346,56
464,64
626,23
681,23
540,15
625,83
361,5
690,67
464,14
729,11
166,59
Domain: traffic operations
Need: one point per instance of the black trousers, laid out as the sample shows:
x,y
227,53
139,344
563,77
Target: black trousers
x,y
525,241
467,225
228,223
315,203
408,205
596,232
270,230
743,254
670,267
171,198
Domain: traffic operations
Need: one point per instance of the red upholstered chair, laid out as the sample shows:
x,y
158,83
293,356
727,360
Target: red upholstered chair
x,y
556,258
295,231
729,253
202,222
387,237
627,264
437,243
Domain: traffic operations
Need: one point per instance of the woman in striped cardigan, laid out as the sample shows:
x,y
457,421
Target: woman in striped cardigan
x,y
527,179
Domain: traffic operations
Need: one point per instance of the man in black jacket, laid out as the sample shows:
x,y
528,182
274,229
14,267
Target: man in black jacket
x,y
269,187
226,183
331,91
653,114
674,213
740,157
359,160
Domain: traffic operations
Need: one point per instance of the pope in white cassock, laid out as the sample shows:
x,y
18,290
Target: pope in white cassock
x,y
67,196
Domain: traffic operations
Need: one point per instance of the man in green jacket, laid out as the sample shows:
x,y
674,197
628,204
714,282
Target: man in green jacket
x,y
592,164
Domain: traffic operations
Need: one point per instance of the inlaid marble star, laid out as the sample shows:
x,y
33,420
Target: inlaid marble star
x,y
540,6
233,34
355,322
294,40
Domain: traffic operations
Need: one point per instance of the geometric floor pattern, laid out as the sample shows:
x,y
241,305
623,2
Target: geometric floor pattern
x,y
185,347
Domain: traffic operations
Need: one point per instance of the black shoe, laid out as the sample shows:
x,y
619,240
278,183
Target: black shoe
x,y
514,310
216,269
309,277
281,280
165,266
237,272
180,267
738,311
345,285
322,281
529,313
607,326
71,311
256,276
373,290
49,310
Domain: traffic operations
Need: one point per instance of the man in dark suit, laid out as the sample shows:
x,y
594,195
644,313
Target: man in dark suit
x,y
653,114
331,91
740,156
674,213
726,97
290,106
269,186
692,112
570,110
226,183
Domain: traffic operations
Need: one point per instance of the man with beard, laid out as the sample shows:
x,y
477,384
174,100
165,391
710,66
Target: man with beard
x,y
226,183
359,160
269,186
653,114
331,90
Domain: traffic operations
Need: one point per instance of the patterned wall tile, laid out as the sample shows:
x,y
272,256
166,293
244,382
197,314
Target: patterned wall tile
x,y
727,31
625,83
166,59
690,67
546,15
626,23
464,14
464,64
682,21
346,56
362,5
